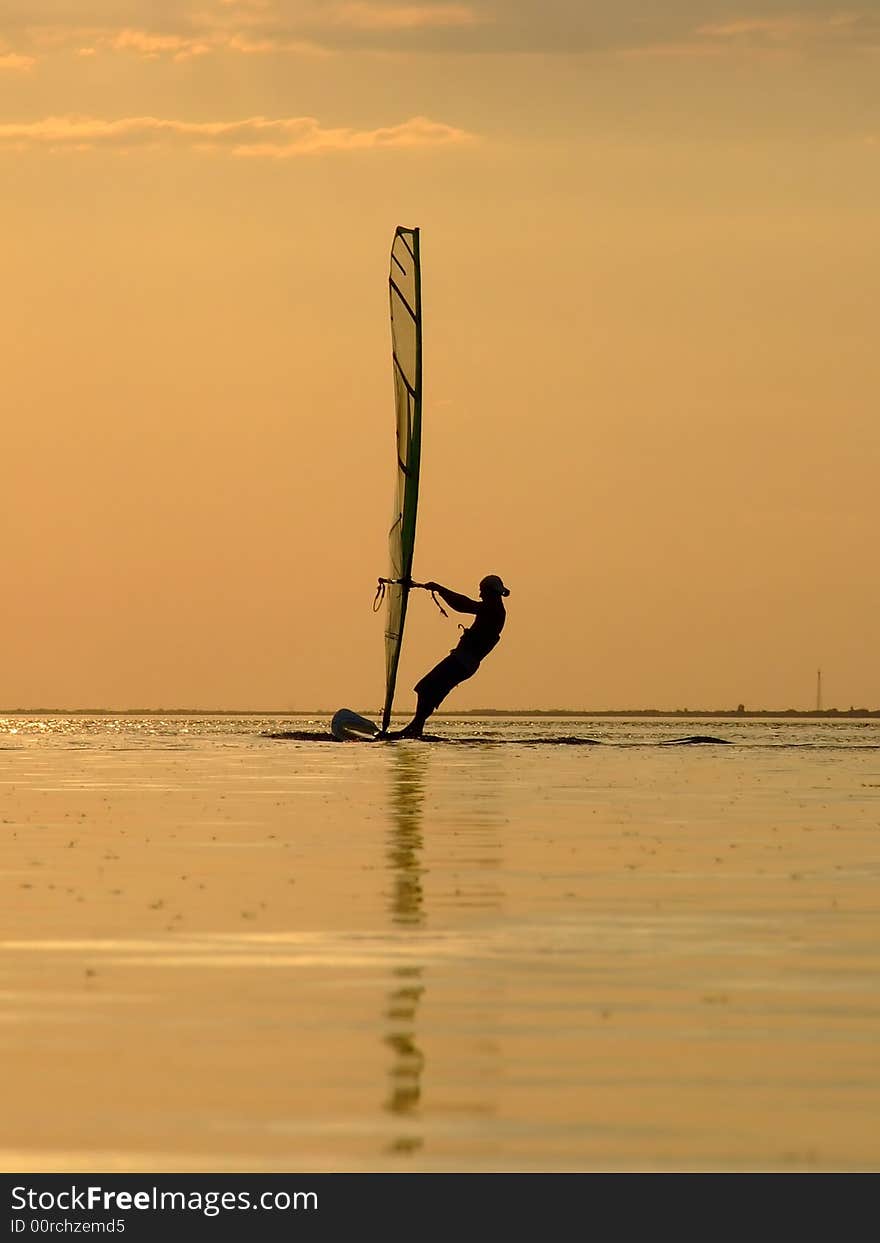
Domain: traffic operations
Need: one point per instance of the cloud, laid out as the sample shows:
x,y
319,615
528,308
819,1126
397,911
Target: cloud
x,y
160,29
781,34
182,47
13,61
798,30
303,28
254,137
180,31
247,45
366,16
696,50
308,138
152,46
790,26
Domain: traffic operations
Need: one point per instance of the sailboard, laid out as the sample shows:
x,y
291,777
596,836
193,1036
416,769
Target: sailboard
x,y
405,295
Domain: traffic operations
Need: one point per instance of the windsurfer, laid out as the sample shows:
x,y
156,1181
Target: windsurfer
x,y
464,660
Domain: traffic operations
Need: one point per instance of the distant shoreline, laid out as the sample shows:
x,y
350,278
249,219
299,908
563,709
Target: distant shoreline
x,y
833,714
719,713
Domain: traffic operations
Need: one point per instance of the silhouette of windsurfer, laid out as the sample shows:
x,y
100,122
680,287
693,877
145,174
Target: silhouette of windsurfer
x,y
464,660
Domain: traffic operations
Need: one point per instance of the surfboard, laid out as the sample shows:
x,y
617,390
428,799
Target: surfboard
x,y
349,726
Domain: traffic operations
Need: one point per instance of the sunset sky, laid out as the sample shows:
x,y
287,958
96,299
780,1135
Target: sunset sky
x,y
651,286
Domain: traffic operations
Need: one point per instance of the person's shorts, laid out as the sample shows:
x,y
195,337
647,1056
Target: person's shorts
x,y
439,681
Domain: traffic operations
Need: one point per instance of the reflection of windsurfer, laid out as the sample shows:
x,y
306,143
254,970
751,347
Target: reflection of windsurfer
x,y
464,660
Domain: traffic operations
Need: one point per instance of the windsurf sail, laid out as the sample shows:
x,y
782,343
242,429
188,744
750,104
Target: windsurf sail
x,y
405,288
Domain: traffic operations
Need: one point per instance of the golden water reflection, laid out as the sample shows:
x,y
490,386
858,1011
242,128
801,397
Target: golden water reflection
x,y
407,909
467,842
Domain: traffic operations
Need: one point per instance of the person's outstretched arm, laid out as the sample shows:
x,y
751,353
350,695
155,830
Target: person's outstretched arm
x,y
461,604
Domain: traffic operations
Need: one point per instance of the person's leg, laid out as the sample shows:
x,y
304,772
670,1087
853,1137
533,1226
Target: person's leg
x,y
430,693
424,708
432,690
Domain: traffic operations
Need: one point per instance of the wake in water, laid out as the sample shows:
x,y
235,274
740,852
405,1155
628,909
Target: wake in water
x,y
567,740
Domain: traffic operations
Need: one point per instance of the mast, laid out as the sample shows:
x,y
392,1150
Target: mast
x,y
405,293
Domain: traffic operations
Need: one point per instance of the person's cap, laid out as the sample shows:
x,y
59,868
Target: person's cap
x,y
493,583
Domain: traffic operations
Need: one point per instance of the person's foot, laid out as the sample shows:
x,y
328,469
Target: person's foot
x,y
410,731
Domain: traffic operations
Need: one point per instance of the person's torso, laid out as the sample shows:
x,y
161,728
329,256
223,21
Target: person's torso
x,y
480,637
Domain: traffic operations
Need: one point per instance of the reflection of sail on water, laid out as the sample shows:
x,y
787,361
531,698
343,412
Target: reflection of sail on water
x,y
407,911
404,853
404,284
463,1029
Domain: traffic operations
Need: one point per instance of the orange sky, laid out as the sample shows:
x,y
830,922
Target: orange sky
x,y
651,280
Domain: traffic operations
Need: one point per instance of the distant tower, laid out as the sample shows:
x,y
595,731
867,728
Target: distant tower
x,y
818,690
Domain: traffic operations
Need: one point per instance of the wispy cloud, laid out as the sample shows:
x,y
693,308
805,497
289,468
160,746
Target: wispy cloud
x,y
254,137
254,28
797,30
210,38
361,15
181,30
693,49
250,27
307,138
152,46
786,34
16,62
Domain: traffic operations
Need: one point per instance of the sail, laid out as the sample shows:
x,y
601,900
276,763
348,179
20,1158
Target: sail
x,y
406,342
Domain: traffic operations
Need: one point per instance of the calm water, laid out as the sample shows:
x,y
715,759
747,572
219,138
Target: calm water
x,y
174,730
222,949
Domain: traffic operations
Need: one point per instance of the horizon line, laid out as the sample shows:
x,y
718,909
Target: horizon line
x,y
469,712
